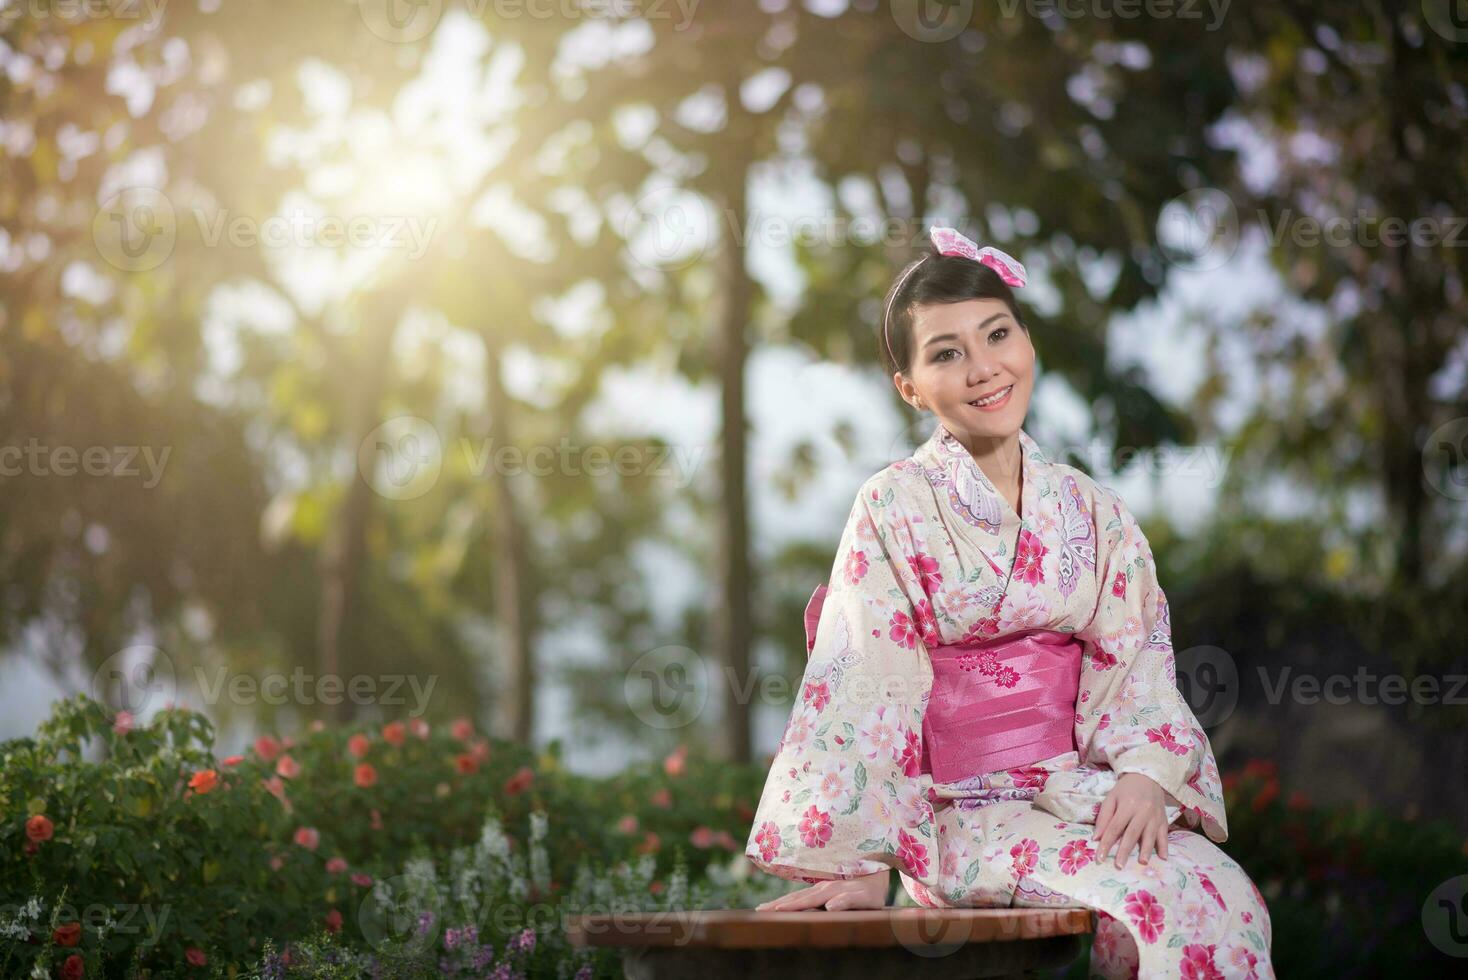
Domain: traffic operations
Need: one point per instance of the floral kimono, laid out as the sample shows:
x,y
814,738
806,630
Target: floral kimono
x,y
977,679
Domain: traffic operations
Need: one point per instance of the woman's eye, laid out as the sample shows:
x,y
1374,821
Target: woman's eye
x,y
943,354
1001,333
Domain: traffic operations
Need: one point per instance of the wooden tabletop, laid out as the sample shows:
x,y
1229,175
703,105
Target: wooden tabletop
x,y
893,926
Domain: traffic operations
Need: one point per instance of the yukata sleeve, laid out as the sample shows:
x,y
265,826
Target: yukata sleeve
x,y
843,796
1138,719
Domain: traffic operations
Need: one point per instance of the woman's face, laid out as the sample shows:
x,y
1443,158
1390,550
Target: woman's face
x,y
963,352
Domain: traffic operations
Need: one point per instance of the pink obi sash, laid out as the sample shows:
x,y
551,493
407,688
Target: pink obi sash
x,y
1001,703
995,704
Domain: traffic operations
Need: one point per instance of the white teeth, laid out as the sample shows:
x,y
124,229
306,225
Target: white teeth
x,y
992,398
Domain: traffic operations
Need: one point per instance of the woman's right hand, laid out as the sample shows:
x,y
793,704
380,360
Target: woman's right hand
x,y
866,892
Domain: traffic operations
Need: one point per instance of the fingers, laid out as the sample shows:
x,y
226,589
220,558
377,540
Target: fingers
x,y
1129,838
805,898
1103,826
1147,844
1162,841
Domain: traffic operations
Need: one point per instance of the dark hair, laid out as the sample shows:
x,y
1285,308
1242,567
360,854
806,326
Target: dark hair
x,y
934,278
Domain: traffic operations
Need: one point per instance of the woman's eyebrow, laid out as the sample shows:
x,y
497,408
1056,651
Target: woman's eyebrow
x,y
954,336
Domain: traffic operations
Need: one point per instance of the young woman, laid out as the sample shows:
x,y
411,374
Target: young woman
x,y
990,703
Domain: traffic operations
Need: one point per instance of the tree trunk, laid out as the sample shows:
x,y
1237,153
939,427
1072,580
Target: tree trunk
x,y
514,694
734,627
343,551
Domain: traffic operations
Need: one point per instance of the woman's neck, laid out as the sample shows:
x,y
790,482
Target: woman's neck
x,y
1000,459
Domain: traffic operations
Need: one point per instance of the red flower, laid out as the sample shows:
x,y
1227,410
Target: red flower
x,y
358,745
702,837
288,767
1028,555
418,727
393,733
39,828
462,729
308,837
1118,585
204,780
196,956
233,760
74,968
815,827
69,934
123,723
361,880
914,856
676,761
336,865
1146,913
1076,855
650,844
365,776
466,763
662,798
1025,855
267,748
333,921
519,782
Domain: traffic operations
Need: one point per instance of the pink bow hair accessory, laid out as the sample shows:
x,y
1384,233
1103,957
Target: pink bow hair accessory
x,y
951,242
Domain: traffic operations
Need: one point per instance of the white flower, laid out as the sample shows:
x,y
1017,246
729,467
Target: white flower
x,y
801,730
833,787
878,737
878,818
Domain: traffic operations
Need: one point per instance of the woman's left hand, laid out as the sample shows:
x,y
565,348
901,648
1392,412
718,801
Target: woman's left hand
x,y
1132,814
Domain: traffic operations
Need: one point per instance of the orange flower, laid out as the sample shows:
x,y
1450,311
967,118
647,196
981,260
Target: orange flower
x,y
393,733
204,780
466,763
365,776
674,764
39,828
233,760
287,767
358,745
650,844
519,782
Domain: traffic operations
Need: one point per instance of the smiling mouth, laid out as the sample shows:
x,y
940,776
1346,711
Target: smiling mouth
x,y
991,400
